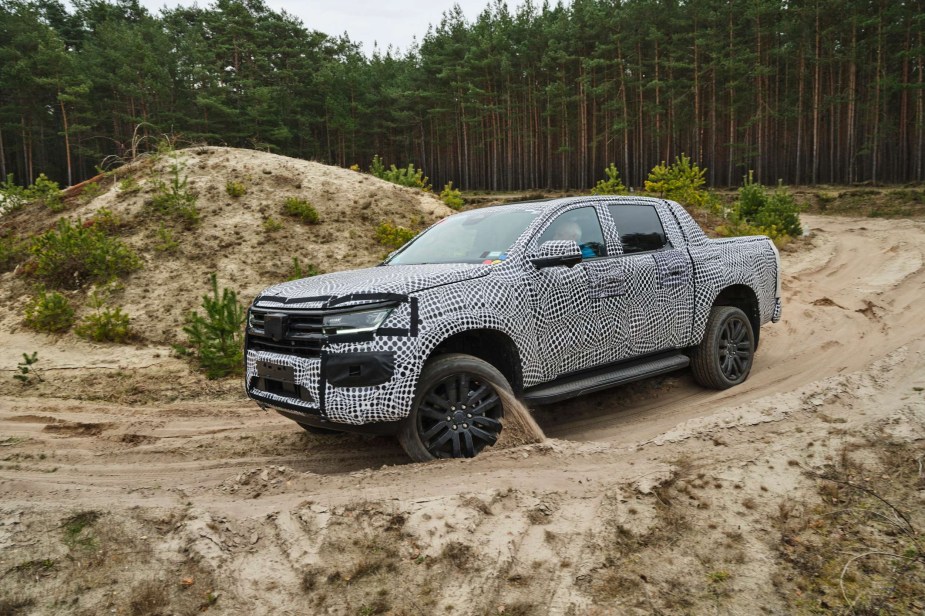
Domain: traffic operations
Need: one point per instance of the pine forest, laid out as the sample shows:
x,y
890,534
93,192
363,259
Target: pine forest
x,y
538,96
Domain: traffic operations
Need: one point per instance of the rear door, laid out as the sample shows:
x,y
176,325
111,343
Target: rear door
x,y
654,313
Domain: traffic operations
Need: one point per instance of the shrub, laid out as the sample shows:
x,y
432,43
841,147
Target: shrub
x,y
613,185
49,312
781,212
271,225
235,189
105,325
393,236
737,227
301,209
72,254
12,252
129,186
165,240
216,338
12,196
26,371
377,168
451,196
681,181
46,191
406,176
173,197
297,272
90,192
776,214
105,220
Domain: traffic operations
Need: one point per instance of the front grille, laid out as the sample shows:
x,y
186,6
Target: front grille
x,y
302,337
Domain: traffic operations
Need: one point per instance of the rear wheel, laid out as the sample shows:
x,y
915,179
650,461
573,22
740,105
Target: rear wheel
x,y
724,356
457,410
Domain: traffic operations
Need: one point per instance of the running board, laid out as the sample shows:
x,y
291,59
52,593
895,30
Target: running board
x,y
578,385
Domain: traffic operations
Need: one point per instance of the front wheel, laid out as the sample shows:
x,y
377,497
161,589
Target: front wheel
x,y
724,356
457,409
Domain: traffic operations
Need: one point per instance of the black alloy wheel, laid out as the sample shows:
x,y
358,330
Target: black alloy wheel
x,y
457,411
724,356
735,348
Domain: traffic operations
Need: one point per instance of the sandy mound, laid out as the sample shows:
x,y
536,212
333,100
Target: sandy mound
x,y
232,238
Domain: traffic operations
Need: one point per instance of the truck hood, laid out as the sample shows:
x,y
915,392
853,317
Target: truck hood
x,y
314,292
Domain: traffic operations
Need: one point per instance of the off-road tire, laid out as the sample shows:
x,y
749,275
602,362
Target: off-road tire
x,y
441,411
724,357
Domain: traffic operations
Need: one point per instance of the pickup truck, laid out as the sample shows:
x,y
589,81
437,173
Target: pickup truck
x,y
543,299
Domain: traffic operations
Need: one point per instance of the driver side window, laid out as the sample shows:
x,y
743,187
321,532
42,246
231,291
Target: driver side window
x,y
581,226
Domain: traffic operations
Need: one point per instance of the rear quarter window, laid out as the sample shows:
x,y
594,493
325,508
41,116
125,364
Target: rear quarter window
x,y
639,227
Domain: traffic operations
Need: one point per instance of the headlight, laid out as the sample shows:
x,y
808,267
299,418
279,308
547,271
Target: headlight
x,y
356,322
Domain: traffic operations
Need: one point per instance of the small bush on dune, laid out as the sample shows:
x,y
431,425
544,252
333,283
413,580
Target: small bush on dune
x,y
173,198
405,176
105,324
235,189
377,167
272,225
90,192
681,181
216,339
105,220
49,312
12,252
129,186
613,185
393,236
452,197
44,191
12,196
302,210
165,240
297,272
776,214
73,254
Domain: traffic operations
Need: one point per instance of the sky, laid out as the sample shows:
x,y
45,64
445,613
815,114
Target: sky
x,y
369,22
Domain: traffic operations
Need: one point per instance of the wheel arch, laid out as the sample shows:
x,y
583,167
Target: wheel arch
x,y
745,299
490,345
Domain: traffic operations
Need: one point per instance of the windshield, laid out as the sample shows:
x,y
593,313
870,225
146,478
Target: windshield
x,y
479,236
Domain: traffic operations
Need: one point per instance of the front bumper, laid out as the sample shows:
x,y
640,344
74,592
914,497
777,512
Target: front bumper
x,y
352,387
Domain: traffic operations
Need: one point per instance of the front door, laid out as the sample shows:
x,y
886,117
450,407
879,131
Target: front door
x,y
565,301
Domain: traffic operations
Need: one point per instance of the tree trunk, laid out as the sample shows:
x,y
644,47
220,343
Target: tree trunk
x,y
816,94
67,142
2,159
851,136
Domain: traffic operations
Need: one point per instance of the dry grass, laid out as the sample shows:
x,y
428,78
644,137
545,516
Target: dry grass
x,y
856,547
149,597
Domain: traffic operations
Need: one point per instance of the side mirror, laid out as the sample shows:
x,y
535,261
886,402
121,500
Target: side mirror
x,y
555,253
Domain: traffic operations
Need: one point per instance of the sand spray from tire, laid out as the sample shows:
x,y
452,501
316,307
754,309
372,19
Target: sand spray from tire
x,y
519,426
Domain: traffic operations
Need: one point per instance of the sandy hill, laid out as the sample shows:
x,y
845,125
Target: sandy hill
x,y
231,239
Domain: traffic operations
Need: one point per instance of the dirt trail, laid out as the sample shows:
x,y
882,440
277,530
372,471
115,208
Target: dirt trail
x,y
268,519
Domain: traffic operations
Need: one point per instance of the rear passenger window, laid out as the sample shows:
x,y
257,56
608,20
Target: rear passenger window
x,y
639,227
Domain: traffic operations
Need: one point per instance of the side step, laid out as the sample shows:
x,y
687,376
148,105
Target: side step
x,y
570,387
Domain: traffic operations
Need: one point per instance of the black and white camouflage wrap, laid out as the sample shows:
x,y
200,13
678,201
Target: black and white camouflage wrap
x,y
562,320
